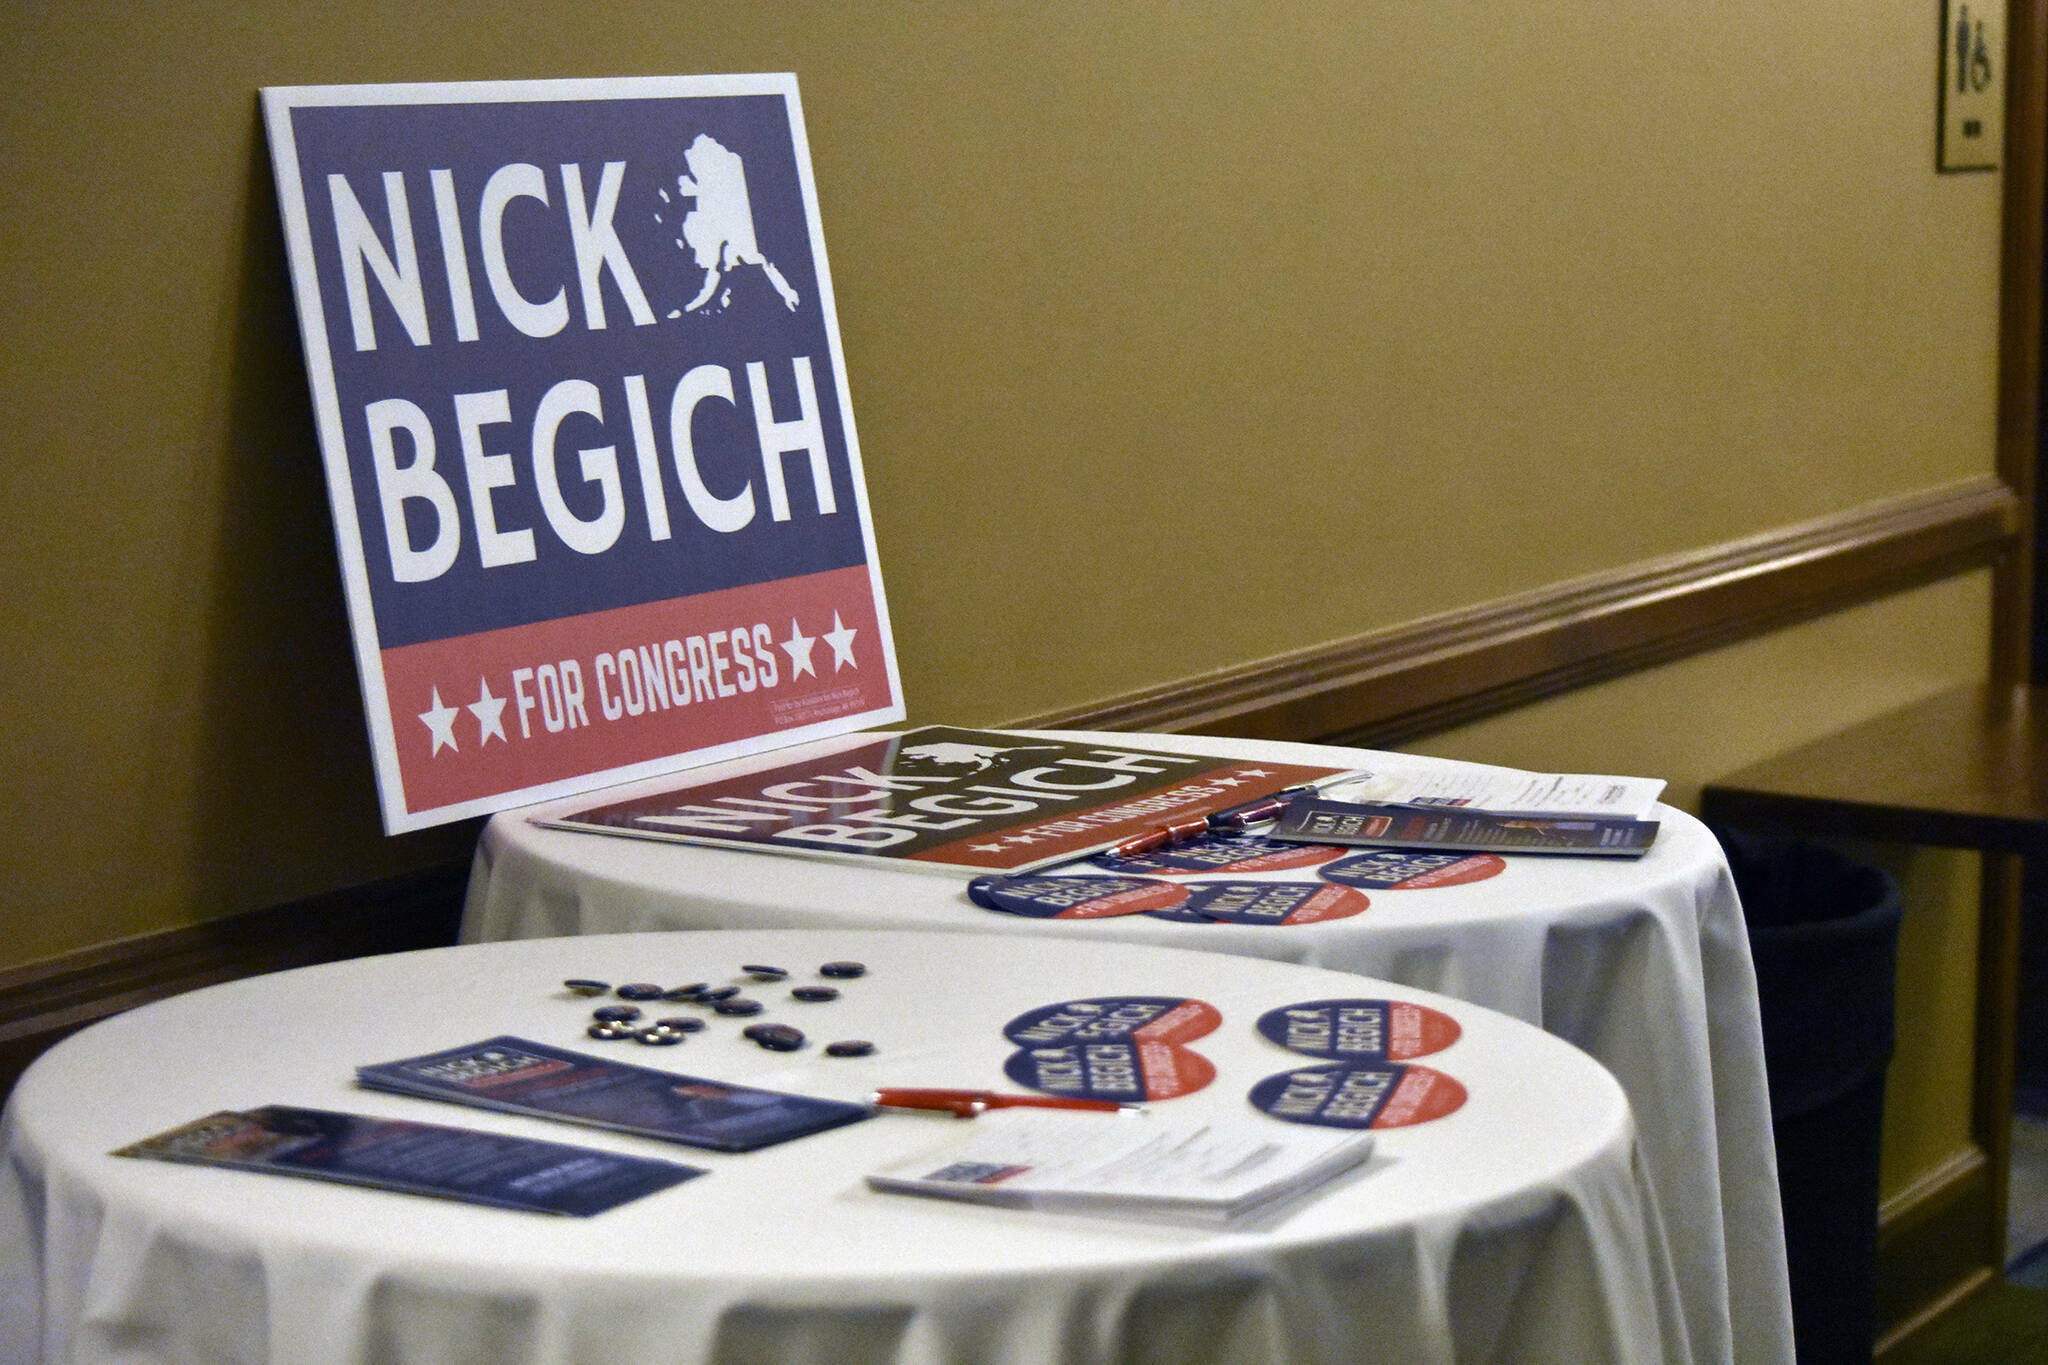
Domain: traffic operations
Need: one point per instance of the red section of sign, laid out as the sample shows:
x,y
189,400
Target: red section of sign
x,y
1420,1096
481,715
1170,1071
1418,1030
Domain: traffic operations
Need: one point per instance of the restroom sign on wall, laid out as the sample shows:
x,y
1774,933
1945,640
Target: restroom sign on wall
x,y
584,420
1970,122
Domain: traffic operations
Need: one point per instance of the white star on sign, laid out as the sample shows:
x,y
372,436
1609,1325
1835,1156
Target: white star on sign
x,y
840,637
489,712
441,720
798,647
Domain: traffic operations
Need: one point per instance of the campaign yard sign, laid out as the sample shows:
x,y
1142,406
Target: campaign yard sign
x,y
584,418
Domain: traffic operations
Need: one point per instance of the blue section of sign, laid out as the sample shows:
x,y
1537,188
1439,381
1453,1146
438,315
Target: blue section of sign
x,y
663,247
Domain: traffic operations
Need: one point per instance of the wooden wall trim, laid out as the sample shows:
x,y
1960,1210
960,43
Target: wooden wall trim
x,y
44,1001
1397,684
1931,1252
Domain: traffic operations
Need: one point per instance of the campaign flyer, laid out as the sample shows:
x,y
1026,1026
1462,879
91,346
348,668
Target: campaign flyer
x,y
523,1077
463,1164
577,379
943,799
1344,822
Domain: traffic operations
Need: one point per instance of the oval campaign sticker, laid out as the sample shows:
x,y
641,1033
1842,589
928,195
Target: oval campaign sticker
x,y
1267,903
1125,1048
1360,1030
1148,1018
1359,1095
1074,897
1235,853
1127,1070
1396,869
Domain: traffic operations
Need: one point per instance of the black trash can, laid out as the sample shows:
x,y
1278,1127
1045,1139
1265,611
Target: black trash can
x,y
1823,929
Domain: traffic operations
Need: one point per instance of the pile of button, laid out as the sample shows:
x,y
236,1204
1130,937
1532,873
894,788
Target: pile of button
x,y
613,1023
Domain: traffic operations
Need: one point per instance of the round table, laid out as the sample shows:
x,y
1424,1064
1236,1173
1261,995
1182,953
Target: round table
x,y
1644,963
1515,1228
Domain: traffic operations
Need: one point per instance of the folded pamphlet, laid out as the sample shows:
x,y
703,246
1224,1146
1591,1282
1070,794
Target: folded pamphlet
x,y
493,1169
1503,791
1456,830
518,1076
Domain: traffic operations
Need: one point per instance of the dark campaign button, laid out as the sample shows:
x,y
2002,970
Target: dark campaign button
x,y
610,1030
761,973
738,1005
843,970
711,995
681,1023
583,985
775,1037
639,990
814,993
615,1014
659,1036
683,995
849,1047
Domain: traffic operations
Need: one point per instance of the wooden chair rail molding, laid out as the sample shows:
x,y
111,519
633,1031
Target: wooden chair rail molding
x,y
1393,685
1376,689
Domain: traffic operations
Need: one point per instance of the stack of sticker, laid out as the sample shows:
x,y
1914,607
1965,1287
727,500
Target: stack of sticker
x,y
1371,1080
1213,885
1133,1048
1124,1048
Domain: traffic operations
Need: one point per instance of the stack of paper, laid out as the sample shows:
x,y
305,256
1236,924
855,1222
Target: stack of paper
x,y
1481,809
1132,1163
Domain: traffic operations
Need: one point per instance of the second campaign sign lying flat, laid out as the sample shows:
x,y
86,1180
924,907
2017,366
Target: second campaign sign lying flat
x,y
584,416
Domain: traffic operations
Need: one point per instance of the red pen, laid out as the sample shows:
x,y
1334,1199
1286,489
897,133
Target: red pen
x,y
1160,836
967,1103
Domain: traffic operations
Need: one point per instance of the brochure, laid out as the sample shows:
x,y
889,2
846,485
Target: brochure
x,y
954,800
1504,791
463,1164
1130,1164
523,1077
1382,826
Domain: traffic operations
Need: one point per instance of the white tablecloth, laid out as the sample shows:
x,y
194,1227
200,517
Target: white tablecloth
x,y
1643,963
1515,1229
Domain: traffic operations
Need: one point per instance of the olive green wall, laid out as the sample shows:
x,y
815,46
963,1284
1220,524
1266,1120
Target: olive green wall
x,y
1178,336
